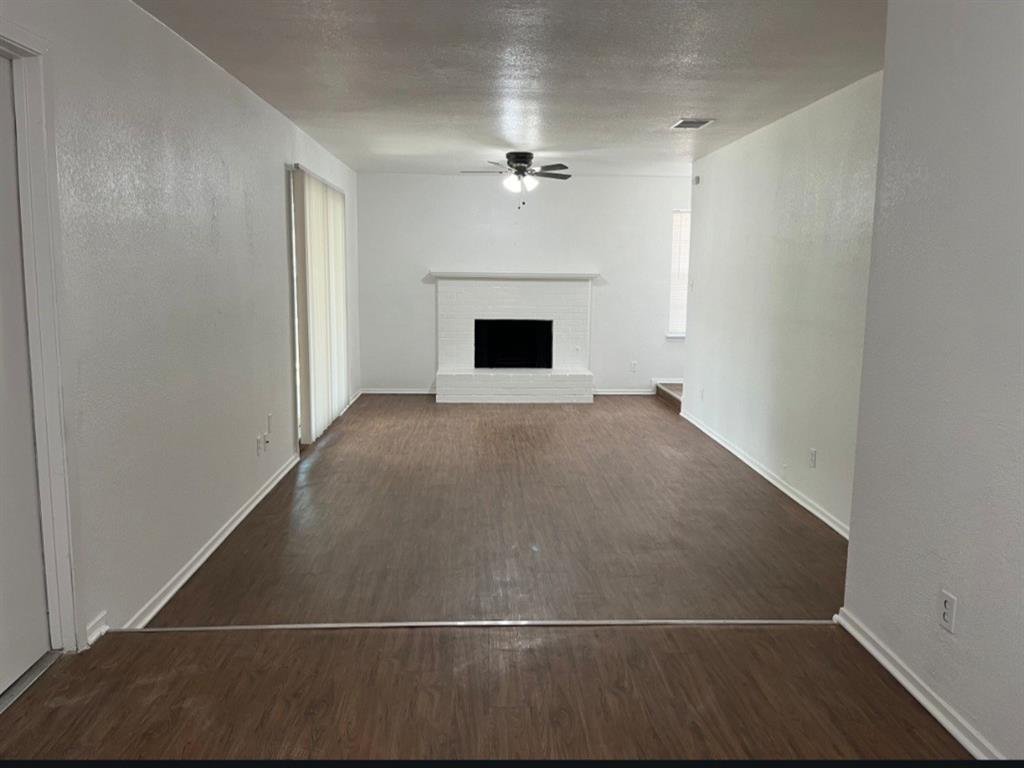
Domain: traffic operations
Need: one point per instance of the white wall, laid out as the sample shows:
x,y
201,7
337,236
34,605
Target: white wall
x,y
780,248
620,227
173,293
938,497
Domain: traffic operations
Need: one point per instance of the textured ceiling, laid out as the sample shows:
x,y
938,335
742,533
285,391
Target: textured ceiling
x,y
442,85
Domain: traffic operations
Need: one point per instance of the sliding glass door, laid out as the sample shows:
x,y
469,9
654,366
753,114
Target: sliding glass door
x,y
321,312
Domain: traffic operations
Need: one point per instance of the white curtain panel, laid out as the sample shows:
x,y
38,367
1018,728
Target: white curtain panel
x,y
320,303
339,330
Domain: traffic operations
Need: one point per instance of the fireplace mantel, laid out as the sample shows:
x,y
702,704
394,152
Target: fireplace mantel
x,y
439,275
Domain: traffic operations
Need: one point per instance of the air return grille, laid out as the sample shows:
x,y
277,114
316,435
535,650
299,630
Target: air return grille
x,y
693,123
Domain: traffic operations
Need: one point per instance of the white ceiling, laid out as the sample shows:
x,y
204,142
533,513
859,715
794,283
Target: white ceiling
x,y
442,85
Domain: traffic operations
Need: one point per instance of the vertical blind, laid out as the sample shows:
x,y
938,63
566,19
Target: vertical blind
x,y
680,275
321,332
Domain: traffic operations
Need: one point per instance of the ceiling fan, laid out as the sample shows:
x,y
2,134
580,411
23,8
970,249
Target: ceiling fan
x,y
521,174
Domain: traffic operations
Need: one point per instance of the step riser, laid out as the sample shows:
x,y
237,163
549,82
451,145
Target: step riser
x,y
669,397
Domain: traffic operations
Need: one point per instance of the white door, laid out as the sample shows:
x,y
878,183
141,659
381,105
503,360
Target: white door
x,y
24,631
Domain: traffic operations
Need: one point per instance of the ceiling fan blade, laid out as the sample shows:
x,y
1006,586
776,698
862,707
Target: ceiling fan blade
x,y
553,167
500,165
489,173
543,175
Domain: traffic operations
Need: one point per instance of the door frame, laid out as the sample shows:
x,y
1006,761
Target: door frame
x,y
40,247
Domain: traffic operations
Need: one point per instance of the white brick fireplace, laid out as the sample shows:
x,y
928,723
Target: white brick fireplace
x,y
465,297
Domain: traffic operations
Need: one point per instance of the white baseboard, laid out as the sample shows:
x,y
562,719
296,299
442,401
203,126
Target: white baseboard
x,y
396,391
166,592
949,718
96,628
812,506
638,391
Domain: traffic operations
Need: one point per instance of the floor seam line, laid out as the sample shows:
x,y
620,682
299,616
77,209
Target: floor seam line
x,y
484,624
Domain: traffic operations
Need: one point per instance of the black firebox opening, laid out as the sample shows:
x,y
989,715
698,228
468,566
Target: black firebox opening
x,y
512,343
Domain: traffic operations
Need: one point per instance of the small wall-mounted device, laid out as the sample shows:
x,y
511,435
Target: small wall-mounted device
x,y
947,611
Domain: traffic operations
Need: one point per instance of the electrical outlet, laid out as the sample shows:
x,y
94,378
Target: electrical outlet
x,y
812,461
947,611
632,366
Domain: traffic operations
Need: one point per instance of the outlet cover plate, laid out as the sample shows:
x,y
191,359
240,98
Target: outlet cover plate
x,y
947,611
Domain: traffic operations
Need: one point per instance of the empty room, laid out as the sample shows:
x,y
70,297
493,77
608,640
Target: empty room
x,y
511,379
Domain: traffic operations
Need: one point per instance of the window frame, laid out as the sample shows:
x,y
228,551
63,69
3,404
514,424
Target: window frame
x,y
669,332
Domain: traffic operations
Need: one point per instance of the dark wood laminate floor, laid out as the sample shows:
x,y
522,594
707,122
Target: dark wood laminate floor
x,y
709,692
410,510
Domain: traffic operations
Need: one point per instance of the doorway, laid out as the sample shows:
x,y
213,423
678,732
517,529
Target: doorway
x,y
24,622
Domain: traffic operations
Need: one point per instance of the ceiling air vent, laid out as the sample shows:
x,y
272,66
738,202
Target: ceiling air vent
x,y
693,123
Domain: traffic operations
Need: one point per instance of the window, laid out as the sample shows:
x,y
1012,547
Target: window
x,y
680,277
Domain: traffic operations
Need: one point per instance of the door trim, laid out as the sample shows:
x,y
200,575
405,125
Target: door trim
x,y
40,236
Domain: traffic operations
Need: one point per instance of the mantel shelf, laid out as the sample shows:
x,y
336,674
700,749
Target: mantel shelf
x,y
437,275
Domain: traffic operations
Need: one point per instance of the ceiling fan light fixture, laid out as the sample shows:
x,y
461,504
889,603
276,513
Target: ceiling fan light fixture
x,y
521,175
